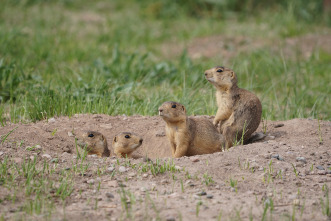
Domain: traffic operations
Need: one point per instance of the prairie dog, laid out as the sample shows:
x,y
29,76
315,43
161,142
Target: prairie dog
x,y
239,110
189,136
125,143
94,142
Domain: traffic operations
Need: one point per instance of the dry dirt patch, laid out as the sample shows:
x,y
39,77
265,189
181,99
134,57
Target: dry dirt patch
x,y
241,182
225,48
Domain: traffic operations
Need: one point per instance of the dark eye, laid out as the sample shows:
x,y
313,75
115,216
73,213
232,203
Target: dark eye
x,y
127,136
219,70
173,106
91,135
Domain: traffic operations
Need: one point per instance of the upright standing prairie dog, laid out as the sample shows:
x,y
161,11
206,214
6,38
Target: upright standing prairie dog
x,y
94,142
125,143
239,111
189,136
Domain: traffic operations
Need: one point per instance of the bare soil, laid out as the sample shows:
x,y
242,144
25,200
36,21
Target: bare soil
x,y
236,184
224,48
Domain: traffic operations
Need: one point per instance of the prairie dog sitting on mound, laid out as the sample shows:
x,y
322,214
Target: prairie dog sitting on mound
x,y
189,136
239,110
125,143
94,142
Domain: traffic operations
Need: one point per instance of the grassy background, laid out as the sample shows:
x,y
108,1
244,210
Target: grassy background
x,y
65,57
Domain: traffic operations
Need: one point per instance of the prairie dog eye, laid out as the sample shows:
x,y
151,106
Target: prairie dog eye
x,y
91,135
173,106
127,136
219,70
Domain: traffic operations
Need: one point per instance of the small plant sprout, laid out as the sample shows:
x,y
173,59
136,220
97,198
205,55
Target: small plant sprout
x,y
182,186
264,125
295,170
233,183
207,179
319,132
325,202
54,132
4,137
197,209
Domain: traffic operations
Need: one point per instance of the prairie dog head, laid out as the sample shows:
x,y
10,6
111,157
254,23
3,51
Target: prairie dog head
x,y
125,143
93,141
171,111
221,77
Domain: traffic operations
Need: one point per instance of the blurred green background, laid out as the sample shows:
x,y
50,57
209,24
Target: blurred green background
x,y
127,57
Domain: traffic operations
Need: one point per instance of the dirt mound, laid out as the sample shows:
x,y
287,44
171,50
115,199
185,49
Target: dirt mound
x,y
282,176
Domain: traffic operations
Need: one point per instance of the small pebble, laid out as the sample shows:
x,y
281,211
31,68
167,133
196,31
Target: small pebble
x,y
302,159
210,196
170,219
281,158
320,168
202,193
1,153
70,134
109,195
278,125
46,156
122,169
277,156
91,181
110,169
51,120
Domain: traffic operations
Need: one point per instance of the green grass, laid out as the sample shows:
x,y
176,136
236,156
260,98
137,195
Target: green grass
x,y
67,57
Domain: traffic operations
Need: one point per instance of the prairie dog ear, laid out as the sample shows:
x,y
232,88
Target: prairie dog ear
x,y
232,74
115,139
184,109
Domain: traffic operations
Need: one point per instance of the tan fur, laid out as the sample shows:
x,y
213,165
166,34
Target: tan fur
x,y
189,136
125,143
94,142
238,111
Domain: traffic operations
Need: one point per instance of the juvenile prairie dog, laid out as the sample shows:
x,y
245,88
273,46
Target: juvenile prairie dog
x,y
94,142
125,143
239,111
189,136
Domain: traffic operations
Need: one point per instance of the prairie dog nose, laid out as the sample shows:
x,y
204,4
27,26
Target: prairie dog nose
x,y
141,141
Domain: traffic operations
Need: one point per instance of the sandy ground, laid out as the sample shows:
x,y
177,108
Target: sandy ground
x,y
240,183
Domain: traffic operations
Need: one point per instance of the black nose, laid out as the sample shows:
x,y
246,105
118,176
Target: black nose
x,y
141,140
160,110
205,73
